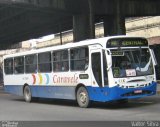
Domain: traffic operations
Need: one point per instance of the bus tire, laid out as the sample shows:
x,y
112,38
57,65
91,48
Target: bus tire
x,y
27,94
82,97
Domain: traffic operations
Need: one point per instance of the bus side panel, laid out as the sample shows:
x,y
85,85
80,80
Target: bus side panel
x,y
48,85
14,89
60,92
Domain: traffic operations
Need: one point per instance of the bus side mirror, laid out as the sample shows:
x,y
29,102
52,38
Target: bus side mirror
x,y
153,57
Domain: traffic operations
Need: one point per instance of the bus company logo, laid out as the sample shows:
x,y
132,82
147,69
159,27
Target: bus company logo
x,y
65,79
41,78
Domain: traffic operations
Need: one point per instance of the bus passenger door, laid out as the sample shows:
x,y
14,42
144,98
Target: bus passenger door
x,y
96,65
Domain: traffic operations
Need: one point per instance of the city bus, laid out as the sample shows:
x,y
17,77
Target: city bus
x,y
109,69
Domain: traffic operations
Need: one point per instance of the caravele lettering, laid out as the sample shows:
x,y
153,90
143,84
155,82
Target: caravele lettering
x,y
63,79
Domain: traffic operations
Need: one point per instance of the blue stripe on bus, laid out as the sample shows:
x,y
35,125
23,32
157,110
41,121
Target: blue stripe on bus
x,y
102,94
61,92
14,89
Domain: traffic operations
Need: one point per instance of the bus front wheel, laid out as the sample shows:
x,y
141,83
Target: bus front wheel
x,y
27,94
82,97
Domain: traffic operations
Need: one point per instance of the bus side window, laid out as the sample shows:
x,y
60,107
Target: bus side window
x,y
31,63
65,61
56,67
19,65
44,62
96,67
79,58
8,66
60,61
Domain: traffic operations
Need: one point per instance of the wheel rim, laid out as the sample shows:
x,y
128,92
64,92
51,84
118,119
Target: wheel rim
x,y
83,97
27,94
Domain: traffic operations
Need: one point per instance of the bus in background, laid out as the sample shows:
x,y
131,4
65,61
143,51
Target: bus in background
x,y
107,69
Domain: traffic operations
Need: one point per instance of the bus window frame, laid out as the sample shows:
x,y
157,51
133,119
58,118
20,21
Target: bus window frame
x,y
50,62
14,65
54,63
86,58
36,71
7,66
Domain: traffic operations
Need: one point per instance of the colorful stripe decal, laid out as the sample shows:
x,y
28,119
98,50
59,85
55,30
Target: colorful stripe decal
x,y
47,77
40,79
34,78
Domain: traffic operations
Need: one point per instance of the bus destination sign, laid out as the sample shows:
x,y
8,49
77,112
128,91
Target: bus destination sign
x,y
126,42
117,53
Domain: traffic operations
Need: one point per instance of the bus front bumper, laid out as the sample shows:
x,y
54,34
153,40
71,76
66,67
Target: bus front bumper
x,y
104,94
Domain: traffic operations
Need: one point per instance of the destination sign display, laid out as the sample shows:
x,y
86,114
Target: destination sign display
x,y
117,53
126,42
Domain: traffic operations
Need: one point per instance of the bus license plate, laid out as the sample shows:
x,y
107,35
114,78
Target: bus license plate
x,y
138,91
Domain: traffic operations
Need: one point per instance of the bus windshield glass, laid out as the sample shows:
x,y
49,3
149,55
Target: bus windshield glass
x,y
131,62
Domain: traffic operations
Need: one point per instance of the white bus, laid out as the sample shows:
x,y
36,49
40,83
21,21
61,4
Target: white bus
x,y
107,69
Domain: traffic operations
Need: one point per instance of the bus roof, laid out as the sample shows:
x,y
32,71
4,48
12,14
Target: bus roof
x,y
69,45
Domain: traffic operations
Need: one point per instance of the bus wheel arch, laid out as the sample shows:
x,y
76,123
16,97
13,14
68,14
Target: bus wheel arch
x,y
27,94
82,96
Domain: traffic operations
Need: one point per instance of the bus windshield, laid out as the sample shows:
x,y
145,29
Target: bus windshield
x,y
131,62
